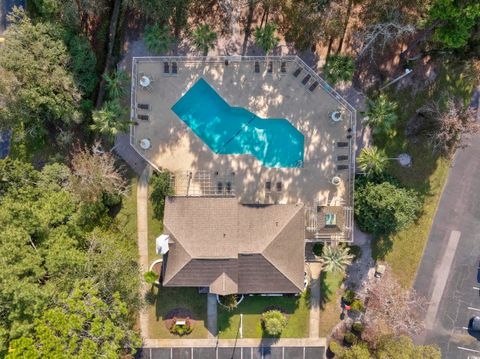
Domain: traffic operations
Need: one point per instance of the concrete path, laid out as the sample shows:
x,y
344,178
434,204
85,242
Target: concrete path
x,y
142,239
315,271
212,315
209,343
128,154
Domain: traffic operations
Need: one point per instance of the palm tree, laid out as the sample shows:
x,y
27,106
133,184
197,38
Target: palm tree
x,y
115,84
372,160
107,121
335,258
265,38
204,38
339,68
381,114
157,39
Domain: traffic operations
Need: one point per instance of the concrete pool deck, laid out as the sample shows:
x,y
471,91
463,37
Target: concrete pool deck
x,y
174,146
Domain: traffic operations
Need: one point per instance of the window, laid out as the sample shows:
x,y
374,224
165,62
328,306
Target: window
x,y
330,220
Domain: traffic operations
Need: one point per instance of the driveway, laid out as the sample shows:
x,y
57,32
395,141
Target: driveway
x,y
449,272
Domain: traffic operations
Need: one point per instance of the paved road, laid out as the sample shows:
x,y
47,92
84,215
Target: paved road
x,y
449,272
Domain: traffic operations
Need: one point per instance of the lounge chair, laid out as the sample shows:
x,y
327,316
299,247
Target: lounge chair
x,y
270,67
279,186
219,187
268,186
143,106
297,72
342,167
283,67
143,117
342,157
257,67
166,68
342,144
229,187
313,86
306,79
174,68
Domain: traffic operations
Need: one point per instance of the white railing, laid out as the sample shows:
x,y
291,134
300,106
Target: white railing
x,y
289,58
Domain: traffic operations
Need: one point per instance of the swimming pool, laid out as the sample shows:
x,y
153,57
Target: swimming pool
x,y
235,130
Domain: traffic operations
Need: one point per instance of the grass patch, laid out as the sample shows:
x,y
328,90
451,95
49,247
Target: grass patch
x,y
330,294
127,216
155,228
427,175
167,299
252,307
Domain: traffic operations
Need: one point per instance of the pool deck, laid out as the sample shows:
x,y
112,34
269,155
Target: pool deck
x,y
269,95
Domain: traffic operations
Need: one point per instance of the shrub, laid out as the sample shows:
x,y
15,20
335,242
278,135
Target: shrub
x,y
230,301
161,188
382,209
381,115
339,68
357,306
181,329
150,277
348,296
350,338
334,347
317,249
356,251
274,322
357,328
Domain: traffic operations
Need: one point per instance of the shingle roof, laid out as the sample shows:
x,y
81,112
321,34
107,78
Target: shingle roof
x,y
234,248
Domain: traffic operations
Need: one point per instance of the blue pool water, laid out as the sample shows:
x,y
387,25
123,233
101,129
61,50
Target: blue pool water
x,y
235,130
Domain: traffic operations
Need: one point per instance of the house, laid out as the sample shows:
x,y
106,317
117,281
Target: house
x,y
234,248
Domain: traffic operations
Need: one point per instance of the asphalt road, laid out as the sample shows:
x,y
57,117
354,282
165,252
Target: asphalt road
x,y
449,272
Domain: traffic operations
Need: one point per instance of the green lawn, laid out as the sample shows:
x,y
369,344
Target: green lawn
x,y
127,217
330,294
252,307
428,173
166,299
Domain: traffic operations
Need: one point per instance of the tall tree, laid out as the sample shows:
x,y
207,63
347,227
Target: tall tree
x,y
453,21
116,84
204,38
158,38
35,65
265,37
81,325
94,173
339,68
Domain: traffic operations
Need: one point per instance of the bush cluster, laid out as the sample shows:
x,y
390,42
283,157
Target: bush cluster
x,y
181,329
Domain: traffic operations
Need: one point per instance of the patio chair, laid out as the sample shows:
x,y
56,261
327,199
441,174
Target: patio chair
x,y
143,117
257,67
342,158
313,86
174,68
283,67
166,68
342,144
229,187
270,67
297,72
143,106
219,187
306,79
268,186
279,186
342,167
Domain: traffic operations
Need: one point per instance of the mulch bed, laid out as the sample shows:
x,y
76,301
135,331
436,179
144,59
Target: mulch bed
x,y
157,267
178,313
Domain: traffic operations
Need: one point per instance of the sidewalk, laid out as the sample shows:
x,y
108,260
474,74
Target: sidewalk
x,y
315,272
212,316
209,343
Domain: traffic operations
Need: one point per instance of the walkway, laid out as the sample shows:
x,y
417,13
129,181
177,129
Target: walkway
x,y
212,315
209,343
128,154
315,271
142,238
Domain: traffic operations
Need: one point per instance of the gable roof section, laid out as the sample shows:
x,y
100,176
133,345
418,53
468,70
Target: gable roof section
x,y
213,238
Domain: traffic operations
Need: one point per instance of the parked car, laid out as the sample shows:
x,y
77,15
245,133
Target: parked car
x,y
474,324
